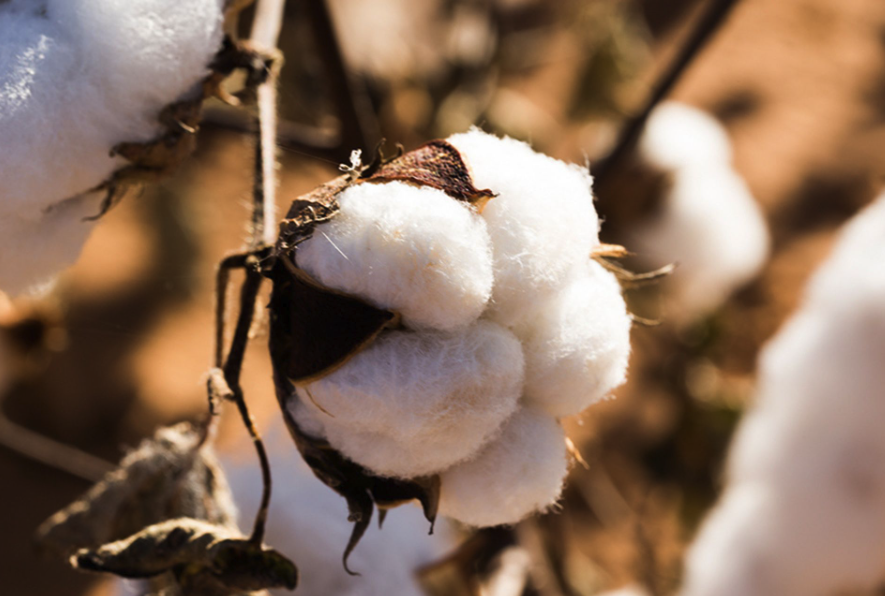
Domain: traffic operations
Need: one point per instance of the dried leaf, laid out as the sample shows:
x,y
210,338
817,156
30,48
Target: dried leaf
x,y
437,164
172,474
203,558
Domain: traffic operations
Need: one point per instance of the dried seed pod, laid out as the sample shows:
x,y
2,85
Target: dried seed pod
x,y
172,474
201,558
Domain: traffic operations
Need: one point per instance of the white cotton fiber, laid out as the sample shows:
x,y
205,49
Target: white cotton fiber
x,y
711,227
629,590
677,135
519,473
414,250
542,222
308,523
413,402
802,514
77,77
578,344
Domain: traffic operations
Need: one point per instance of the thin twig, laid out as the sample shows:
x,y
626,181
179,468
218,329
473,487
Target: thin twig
x,y
708,23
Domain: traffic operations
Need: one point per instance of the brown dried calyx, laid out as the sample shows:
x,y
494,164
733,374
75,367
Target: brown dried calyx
x,y
314,329
200,559
173,474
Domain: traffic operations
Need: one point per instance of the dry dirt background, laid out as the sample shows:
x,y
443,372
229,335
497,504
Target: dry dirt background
x,y
800,84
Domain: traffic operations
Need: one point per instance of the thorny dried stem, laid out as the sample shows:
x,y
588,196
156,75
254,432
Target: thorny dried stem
x,y
707,25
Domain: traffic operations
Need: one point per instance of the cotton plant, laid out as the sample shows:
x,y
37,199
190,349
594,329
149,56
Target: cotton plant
x,y
802,510
707,222
499,323
85,88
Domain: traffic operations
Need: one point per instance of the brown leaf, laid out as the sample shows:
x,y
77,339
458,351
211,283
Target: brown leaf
x,y
172,474
203,558
437,164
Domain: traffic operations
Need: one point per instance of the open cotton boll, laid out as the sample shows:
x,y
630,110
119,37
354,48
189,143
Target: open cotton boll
x,y
802,514
436,396
710,225
678,135
517,474
413,250
77,77
308,523
578,345
542,222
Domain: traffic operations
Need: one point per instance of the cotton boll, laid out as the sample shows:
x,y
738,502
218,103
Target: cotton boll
x,y
578,345
429,399
677,135
413,250
711,227
77,77
309,524
802,513
542,222
519,473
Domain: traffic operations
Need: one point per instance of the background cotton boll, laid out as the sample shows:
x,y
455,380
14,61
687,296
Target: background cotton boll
x,y
811,449
542,222
578,345
517,474
426,391
678,135
413,250
711,227
308,523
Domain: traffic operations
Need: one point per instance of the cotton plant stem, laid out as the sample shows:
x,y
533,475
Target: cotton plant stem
x,y
707,25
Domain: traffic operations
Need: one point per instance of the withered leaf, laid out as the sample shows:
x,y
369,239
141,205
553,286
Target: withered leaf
x,y
437,164
314,330
360,487
172,474
204,559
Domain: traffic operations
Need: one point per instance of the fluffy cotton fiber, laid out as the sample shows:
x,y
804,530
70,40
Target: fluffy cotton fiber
x,y
78,77
542,222
519,473
413,250
802,514
709,223
578,345
413,402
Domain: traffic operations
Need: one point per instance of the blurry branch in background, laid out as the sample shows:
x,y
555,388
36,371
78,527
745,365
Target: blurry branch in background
x,y
707,25
358,126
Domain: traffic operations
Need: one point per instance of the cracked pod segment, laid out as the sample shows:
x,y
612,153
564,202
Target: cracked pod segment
x,y
408,306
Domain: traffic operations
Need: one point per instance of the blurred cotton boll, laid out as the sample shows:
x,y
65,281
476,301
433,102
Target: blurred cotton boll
x,y
519,473
707,221
542,222
414,403
578,345
802,514
413,250
78,77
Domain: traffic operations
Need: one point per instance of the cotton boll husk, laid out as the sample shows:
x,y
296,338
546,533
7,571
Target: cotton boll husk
x,y
517,474
413,250
578,345
678,135
77,77
542,222
803,511
427,399
712,228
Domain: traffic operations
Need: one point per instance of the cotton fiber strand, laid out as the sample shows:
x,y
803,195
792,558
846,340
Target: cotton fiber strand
x,y
436,397
519,473
708,223
542,222
578,345
77,77
802,514
413,250
309,524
